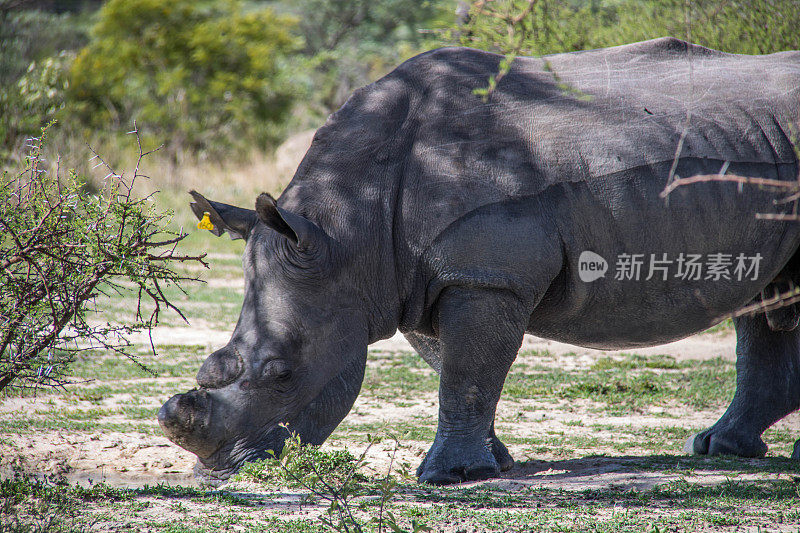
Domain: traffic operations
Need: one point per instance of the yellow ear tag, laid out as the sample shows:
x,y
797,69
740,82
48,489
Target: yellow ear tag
x,y
205,223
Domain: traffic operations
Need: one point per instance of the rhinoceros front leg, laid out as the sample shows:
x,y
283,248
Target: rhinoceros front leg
x,y
430,349
480,332
767,389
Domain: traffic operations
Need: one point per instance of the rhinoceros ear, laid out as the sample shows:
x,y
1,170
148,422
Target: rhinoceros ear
x,y
223,217
296,228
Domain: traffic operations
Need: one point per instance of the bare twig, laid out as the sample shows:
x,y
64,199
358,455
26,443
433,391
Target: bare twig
x,y
703,178
781,299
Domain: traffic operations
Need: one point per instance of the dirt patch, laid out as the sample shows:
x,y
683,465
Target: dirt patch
x,y
143,456
197,335
701,346
118,459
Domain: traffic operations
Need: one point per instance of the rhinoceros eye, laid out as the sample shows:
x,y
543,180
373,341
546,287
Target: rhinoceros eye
x,y
277,369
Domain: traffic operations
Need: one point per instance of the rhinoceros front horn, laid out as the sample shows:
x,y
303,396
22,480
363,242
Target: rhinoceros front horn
x,y
221,368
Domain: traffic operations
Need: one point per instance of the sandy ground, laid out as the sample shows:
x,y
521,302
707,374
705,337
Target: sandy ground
x,y
705,346
136,459
123,459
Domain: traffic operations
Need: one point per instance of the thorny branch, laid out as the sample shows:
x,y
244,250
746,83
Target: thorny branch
x,y
517,28
60,247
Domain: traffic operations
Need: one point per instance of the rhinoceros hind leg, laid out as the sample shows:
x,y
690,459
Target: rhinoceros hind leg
x,y
767,389
480,332
784,318
796,452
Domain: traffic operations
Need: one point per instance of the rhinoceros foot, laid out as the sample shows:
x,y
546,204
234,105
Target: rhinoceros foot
x,y
443,466
796,452
721,441
501,454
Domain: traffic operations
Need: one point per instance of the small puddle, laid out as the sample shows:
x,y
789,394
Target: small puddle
x,y
87,479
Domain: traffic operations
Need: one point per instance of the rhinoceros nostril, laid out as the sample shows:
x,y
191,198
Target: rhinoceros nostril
x,y
185,412
221,368
172,415
186,420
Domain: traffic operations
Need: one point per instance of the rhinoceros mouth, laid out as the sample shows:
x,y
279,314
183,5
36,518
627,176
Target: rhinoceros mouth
x,y
215,469
229,458
208,476
186,420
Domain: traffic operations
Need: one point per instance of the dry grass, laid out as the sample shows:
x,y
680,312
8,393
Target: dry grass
x,y
230,181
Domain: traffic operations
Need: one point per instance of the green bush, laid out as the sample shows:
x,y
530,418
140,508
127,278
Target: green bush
x,y
334,477
350,43
206,76
553,26
35,52
211,77
301,464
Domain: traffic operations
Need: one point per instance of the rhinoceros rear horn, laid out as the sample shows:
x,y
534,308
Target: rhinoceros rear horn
x,y
225,218
296,228
220,369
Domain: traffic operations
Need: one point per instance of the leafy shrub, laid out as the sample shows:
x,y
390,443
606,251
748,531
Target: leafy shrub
x,y
206,75
333,476
349,43
35,54
298,464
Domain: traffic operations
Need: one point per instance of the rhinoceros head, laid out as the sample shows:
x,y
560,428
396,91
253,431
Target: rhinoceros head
x,y
295,361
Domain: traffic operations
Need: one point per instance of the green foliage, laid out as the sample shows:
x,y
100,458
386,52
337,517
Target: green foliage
x,y
349,43
28,505
206,76
61,246
300,464
333,476
34,55
32,36
735,26
211,77
328,24
42,91
539,27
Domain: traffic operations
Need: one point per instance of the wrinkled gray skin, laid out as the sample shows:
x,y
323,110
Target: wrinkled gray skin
x,y
460,222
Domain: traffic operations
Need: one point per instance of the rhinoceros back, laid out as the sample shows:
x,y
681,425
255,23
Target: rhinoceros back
x,y
583,116
423,133
595,132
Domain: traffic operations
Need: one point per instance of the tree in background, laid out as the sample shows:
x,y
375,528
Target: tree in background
x,y
539,27
204,76
735,26
350,43
213,78
35,51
